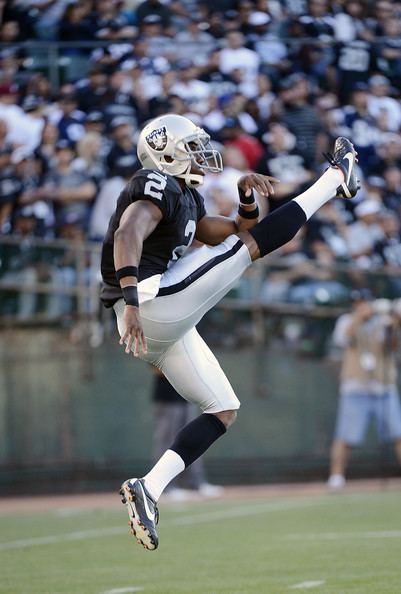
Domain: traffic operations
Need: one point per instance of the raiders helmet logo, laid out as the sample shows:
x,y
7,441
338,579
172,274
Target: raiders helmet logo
x,y
157,139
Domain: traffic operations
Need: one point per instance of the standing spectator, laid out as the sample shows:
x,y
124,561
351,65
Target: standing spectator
x,y
391,191
105,204
89,157
92,92
354,61
356,120
388,154
69,120
153,8
195,42
70,191
368,336
272,51
123,143
28,170
381,105
219,189
387,252
300,117
389,50
23,264
193,91
46,149
364,232
350,22
232,134
75,25
283,161
317,21
236,56
328,228
220,84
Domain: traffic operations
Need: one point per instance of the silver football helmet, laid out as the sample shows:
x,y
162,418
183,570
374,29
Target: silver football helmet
x,y
172,143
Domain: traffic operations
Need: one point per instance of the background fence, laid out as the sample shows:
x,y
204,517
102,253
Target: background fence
x,y
76,412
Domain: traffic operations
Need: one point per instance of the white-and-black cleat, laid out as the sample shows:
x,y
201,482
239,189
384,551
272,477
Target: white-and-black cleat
x,y
344,158
142,511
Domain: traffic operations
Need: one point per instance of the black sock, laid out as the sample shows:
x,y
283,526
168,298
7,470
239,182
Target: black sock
x,y
279,227
196,437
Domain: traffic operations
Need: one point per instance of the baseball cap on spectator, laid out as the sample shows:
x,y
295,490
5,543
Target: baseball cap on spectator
x,y
152,19
26,212
367,207
290,81
184,64
119,121
258,19
231,123
360,86
375,181
31,103
94,116
129,64
231,15
361,295
378,79
64,144
224,100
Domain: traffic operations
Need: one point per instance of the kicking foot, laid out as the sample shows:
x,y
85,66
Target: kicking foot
x,y
142,511
344,158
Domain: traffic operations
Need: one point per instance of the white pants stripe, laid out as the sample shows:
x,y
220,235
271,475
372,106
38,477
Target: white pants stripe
x,y
169,323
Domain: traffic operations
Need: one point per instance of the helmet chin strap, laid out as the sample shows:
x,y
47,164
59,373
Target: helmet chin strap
x,y
191,179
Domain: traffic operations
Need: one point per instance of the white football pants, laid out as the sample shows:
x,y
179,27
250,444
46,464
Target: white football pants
x,y
188,289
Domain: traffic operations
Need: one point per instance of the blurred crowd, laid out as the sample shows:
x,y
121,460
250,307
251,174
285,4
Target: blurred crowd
x,y
273,81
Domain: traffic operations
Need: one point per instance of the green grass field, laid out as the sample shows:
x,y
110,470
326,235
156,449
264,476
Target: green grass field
x,y
328,544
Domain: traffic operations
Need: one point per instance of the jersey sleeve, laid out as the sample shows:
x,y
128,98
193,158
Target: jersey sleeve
x,y
154,186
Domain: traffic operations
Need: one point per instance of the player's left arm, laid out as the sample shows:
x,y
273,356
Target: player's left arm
x,y
212,230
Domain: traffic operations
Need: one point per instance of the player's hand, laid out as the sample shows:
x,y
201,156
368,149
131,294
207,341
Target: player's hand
x,y
263,184
133,335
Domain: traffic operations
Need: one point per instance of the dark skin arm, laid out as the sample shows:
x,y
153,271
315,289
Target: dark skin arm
x,y
212,230
137,223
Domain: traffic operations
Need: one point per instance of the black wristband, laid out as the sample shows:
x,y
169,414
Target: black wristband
x,y
248,214
126,271
130,295
245,199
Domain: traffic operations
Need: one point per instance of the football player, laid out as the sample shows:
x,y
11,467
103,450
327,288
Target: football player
x,y
160,291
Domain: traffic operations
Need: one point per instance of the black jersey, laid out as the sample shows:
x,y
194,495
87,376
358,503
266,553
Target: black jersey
x,y
181,210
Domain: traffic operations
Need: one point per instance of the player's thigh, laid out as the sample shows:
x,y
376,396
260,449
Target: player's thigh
x,y
195,373
191,287
388,416
352,418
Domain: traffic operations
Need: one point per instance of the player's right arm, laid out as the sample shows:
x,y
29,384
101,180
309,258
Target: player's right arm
x,y
136,224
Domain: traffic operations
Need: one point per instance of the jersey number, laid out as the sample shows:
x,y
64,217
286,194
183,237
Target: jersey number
x,y
155,185
189,232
